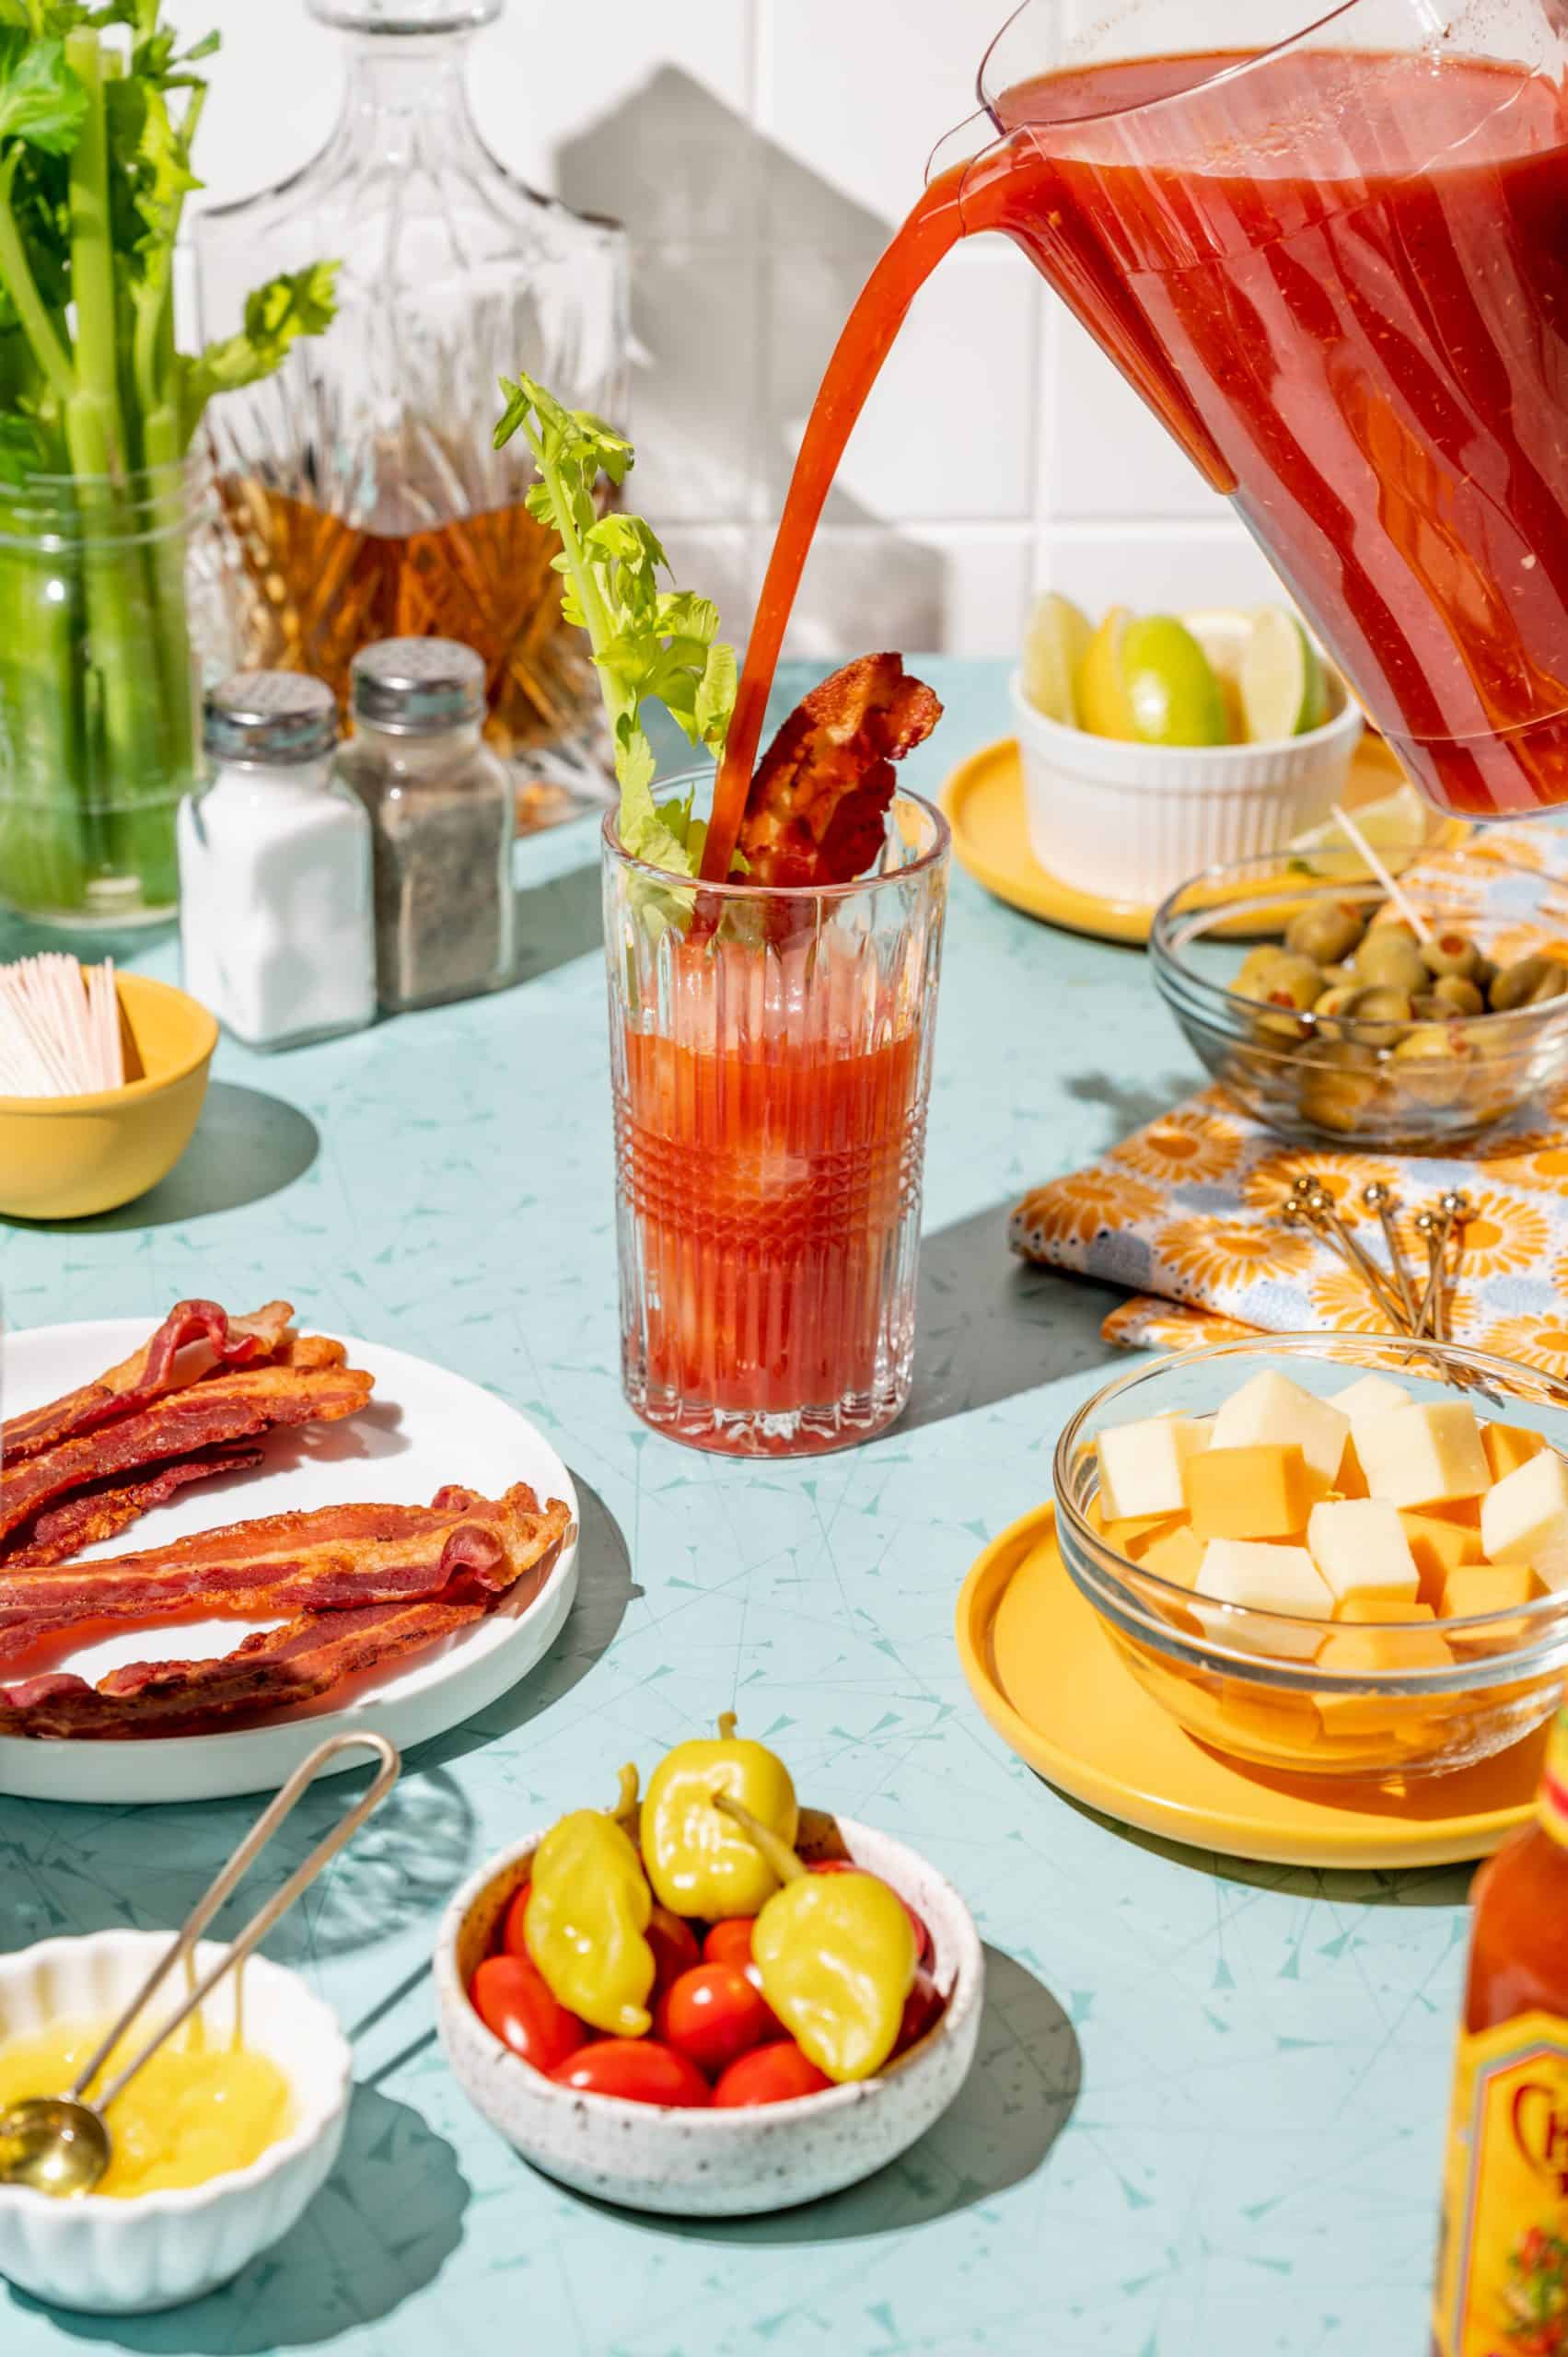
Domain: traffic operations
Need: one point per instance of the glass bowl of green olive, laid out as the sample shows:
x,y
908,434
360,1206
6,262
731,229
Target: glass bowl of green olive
x,y
1329,1019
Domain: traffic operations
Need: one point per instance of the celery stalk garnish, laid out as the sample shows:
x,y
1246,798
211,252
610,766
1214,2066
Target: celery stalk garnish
x,y
651,646
98,109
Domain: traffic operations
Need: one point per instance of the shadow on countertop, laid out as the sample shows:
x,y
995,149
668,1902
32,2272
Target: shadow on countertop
x,y
989,1326
383,2226
248,1146
1028,2074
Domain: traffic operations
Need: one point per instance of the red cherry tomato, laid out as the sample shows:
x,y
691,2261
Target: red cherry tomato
x,y
923,2008
924,1945
638,2070
674,1944
769,2074
510,1997
713,2013
512,1940
730,1943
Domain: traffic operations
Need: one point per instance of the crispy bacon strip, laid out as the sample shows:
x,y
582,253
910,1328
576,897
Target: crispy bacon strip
x,y
816,811
105,1509
275,1670
307,1383
149,1373
333,1559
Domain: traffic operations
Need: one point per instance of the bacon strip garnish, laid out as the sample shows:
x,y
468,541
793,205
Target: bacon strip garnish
x,y
149,1372
818,802
328,1560
280,1668
106,1509
306,1383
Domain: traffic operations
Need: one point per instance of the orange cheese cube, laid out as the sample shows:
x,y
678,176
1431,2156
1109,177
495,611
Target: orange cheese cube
x,y
1263,1491
1176,1554
1395,1648
1509,1447
1374,1611
1479,1588
1439,1547
1352,1480
1465,1512
1133,1533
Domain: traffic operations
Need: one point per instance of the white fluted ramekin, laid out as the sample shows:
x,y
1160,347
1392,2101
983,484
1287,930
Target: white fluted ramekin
x,y
1131,822
707,2164
158,2250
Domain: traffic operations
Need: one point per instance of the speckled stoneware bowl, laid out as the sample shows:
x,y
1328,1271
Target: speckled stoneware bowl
x,y
158,2250
717,2163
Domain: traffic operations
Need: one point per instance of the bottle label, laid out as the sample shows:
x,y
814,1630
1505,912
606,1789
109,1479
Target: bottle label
x,y
1502,2264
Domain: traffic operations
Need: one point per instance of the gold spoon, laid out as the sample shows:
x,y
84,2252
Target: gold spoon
x,y
61,2144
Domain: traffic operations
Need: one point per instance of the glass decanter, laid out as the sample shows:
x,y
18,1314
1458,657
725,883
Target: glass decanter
x,y
360,494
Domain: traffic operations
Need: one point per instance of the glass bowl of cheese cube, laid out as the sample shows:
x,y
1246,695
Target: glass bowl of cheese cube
x,y
1337,1555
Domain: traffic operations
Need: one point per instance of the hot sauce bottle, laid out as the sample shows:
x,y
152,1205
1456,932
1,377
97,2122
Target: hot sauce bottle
x,y
1503,2258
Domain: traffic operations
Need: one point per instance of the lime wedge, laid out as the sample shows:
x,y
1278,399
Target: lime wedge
x,y
1397,826
1149,683
1284,690
1170,683
1055,643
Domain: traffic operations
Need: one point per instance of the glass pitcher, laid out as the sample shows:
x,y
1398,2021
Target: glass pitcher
x,y
359,486
1335,263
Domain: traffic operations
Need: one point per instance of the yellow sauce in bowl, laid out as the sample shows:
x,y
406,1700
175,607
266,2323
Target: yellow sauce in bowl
x,y
199,2109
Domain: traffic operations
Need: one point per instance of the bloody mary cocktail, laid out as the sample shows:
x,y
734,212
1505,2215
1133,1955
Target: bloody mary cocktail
x,y
770,1058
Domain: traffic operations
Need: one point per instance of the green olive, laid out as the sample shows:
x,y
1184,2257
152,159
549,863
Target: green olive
x,y
1340,977
1380,1015
1451,953
1485,974
1517,985
1430,1065
1390,959
1340,1087
1336,1001
1294,980
1454,994
1325,931
1430,1042
1552,984
1259,964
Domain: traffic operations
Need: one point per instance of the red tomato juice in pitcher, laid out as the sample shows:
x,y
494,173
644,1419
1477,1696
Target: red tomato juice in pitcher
x,y
1341,279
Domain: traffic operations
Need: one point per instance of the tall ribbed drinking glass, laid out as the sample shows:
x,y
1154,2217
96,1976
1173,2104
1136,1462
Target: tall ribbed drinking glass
x,y
771,1059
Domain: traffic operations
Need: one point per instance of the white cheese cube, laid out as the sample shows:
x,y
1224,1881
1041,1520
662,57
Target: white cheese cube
x,y
1140,1466
1421,1456
1270,1407
1265,1579
1374,1395
1359,1546
1525,1518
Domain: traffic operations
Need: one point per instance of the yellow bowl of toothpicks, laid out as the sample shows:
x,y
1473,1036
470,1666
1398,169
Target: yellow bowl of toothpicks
x,y
102,1076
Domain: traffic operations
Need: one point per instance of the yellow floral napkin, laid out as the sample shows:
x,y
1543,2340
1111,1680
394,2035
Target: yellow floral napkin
x,y
1185,1213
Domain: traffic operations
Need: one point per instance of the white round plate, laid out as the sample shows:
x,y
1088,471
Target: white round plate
x,y
423,1428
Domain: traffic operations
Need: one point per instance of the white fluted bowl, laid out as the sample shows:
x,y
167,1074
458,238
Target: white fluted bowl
x,y
705,2164
1131,822
158,2250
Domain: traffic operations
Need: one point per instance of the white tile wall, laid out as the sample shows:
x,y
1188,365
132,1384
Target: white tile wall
x,y
761,151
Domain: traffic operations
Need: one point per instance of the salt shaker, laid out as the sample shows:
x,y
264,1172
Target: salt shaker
x,y
442,821
275,909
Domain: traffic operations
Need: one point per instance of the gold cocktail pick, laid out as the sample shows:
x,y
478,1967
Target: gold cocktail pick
x,y
1312,1206
1436,1229
1385,1203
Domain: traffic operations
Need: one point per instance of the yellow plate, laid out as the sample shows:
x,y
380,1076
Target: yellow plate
x,y
984,801
1051,1685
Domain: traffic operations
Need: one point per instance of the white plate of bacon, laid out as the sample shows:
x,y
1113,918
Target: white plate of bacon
x,y
224,1540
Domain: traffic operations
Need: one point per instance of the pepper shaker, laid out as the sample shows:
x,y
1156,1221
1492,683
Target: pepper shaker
x,y
442,822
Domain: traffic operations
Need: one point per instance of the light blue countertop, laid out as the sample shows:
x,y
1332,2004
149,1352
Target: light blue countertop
x,y
1206,2117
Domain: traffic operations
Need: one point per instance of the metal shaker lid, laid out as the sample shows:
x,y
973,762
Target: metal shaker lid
x,y
274,717
416,685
